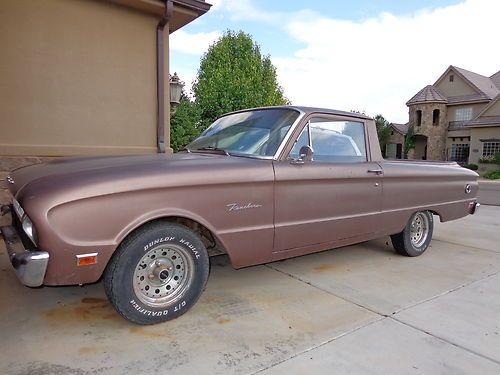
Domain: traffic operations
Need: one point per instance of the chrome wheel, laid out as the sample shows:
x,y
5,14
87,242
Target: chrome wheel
x,y
162,275
419,229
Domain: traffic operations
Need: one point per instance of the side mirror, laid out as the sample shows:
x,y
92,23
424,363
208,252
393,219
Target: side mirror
x,y
305,154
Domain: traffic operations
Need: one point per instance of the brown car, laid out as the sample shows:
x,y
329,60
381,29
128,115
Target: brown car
x,y
260,185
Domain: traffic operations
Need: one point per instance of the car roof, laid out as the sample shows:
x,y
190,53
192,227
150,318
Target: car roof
x,y
307,110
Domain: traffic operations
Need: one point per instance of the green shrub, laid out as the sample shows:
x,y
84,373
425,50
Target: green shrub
x,y
492,175
487,159
497,158
472,167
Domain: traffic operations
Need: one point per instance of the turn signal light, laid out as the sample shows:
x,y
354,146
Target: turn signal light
x,y
86,259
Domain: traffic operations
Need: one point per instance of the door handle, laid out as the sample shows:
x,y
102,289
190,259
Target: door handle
x,y
376,171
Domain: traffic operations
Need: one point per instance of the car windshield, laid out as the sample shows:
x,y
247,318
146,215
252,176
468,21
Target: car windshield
x,y
256,132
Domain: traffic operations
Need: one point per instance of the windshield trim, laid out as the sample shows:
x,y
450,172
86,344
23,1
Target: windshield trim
x,y
289,134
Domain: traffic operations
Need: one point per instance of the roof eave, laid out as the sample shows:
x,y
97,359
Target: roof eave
x,y
408,103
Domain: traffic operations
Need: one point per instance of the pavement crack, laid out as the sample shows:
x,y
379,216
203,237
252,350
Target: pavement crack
x,y
444,293
465,245
320,344
295,277
445,340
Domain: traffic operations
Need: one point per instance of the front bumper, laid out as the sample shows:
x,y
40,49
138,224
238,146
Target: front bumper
x,y
29,265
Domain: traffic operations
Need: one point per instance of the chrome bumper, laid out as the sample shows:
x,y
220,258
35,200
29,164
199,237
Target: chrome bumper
x,y
30,266
473,207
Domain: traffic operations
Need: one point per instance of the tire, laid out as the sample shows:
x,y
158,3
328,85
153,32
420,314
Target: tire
x,y
157,274
416,235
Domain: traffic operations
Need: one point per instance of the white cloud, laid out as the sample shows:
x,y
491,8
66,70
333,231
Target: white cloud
x,y
244,10
376,65
195,44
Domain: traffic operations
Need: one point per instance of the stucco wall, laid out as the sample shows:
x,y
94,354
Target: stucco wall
x,y
476,109
77,77
456,88
476,146
494,110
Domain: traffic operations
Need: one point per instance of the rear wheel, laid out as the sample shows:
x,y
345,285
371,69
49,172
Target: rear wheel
x,y
416,236
157,274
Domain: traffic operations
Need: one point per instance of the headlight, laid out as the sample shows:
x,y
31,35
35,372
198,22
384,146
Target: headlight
x,y
29,229
19,210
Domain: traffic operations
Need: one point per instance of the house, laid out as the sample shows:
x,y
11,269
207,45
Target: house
x,y
394,149
457,118
86,77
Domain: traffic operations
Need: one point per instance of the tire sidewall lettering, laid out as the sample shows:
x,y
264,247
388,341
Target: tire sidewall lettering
x,y
176,240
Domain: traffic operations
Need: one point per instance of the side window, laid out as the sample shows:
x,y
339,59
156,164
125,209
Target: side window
x,y
337,140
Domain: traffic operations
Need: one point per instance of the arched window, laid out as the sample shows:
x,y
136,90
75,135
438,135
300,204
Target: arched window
x,y
419,117
435,117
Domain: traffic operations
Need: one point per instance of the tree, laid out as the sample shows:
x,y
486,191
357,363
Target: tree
x,y
184,124
234,75
409,141
383,130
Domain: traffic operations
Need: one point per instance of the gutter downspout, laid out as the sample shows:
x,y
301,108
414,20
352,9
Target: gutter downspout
x,y
160,75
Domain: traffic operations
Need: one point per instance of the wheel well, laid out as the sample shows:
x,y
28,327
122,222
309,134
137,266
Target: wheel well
x,y
436,213
212,244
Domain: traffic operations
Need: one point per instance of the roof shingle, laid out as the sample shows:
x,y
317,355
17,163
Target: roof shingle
x,y
482,83
428,94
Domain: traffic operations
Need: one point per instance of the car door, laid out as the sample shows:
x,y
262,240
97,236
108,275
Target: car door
x,y
334,197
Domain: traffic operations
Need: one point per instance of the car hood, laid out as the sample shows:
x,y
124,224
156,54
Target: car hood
x,y
111,174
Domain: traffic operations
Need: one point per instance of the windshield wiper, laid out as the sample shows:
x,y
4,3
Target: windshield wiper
x,y
212,148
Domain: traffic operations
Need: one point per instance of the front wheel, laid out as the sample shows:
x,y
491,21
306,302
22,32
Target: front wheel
x,y
157,273
416,236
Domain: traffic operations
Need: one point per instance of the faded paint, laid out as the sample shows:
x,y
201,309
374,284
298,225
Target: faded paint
x,y
138,189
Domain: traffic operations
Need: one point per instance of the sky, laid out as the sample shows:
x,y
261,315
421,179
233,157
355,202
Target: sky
x,y
363,55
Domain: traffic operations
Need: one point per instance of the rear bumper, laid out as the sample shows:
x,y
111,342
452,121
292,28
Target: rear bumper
x,y
473,207
29,265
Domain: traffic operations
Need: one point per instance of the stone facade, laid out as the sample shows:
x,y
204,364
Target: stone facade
x,y
469,107
433,128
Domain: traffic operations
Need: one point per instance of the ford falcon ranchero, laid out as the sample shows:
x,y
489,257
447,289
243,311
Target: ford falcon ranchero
x,y
259,185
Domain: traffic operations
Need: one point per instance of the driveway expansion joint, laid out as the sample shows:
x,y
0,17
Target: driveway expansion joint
x,y
319,345
383,316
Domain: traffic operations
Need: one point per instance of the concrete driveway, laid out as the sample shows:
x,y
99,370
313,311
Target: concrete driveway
x,y
360,310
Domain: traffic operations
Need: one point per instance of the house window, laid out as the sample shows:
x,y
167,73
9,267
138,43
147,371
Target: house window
x,y
392,132
452,77
463,114
459,152
491,148
419,117
435,117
